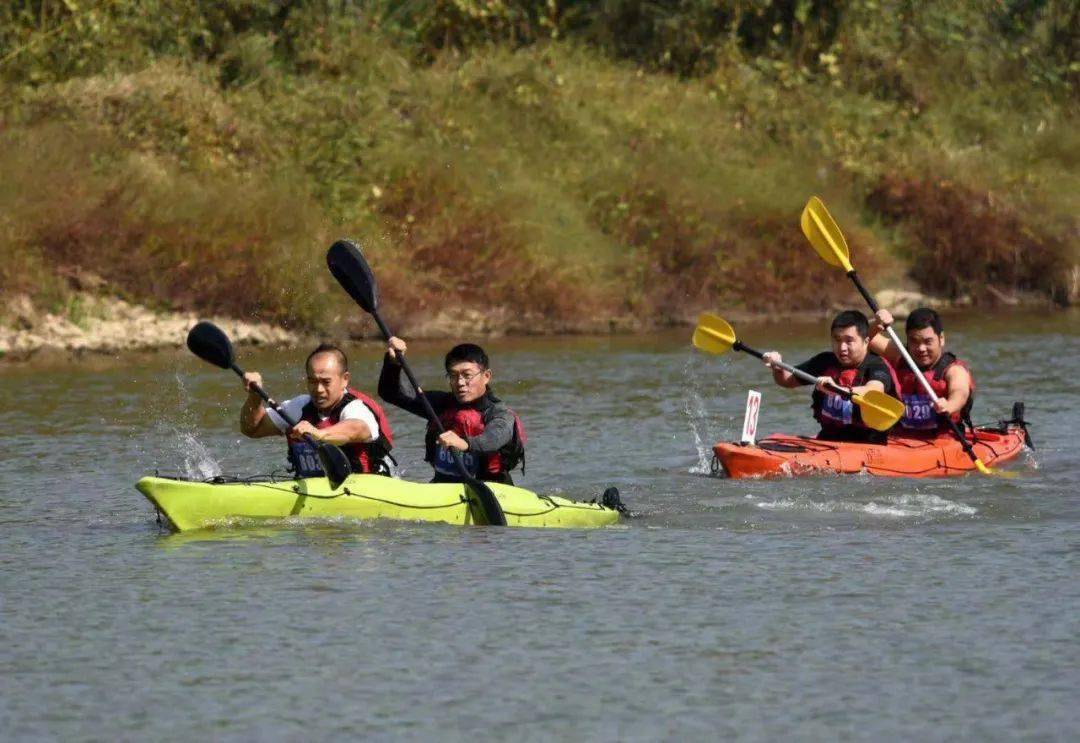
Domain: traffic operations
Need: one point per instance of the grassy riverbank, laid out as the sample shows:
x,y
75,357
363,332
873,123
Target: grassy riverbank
x,y
528,169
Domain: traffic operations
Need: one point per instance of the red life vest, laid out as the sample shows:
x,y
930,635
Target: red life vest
x,y
468,421
833,411
919,413
365,458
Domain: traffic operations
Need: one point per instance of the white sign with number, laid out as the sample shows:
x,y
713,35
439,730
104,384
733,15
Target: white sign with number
x,y
749,426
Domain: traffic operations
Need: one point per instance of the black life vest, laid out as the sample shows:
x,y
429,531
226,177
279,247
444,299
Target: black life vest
x,y
471,421
369,457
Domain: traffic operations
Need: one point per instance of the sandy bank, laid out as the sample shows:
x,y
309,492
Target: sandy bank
x,y
94,324
104,325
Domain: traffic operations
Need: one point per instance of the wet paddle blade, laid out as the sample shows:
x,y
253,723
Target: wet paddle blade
x,y
348,266
488,502
334,463
824,234
879,410
713,334
209,343
485,496
982,468
969,449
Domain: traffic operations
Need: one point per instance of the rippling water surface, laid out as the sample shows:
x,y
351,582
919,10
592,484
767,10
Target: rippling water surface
x,y
818,608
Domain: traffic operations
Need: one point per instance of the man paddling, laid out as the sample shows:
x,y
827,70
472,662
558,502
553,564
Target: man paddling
x,y
331,412
478,424
949,377
848,366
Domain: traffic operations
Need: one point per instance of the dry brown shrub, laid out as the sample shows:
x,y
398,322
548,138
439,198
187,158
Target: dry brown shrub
x,y
686,258
776,269
455,253
971,243
173,263
155,234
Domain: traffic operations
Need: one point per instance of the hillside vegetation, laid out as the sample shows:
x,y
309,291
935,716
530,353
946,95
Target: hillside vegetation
x,y
553,165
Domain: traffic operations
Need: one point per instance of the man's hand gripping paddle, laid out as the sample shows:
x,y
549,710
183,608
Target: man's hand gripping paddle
x,y
714,335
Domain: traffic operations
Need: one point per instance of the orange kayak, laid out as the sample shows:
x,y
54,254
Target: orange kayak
x,y
781,455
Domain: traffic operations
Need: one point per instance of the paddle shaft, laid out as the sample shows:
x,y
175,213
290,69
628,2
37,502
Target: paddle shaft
x,y
808,378
491,505
892,335
431,414
348,266
902,348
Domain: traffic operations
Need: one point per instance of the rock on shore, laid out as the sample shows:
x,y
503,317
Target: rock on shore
x,y
902,302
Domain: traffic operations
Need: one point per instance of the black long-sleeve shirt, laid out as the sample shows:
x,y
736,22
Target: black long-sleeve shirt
x,y
396,389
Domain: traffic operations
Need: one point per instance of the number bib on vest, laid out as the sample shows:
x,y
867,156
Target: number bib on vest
x,y
837,410
919,413
444,462
305,460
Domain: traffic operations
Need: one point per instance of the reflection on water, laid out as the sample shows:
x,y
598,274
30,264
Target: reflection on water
x,y
311,531
822,607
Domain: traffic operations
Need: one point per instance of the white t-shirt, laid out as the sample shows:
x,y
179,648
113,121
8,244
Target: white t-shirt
x,y
354,411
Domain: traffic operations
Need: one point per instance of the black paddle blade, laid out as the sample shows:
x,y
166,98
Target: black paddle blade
x,y
492,509
348,266
209,343
334,463
489,504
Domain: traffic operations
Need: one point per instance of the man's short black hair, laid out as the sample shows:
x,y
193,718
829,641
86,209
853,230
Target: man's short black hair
x,y
923,318
851,318
343,360
466,352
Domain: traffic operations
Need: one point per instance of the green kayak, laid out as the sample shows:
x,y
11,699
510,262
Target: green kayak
x,y
191,504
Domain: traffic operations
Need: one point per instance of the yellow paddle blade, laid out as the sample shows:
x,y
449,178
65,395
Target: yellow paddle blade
x,y
824,234
1007,474
713,334
879,410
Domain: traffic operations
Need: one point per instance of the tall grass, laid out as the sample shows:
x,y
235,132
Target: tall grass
x,y
172,238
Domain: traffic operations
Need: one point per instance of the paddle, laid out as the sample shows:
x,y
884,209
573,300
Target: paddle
x,y
879,411
351,270
824,234
209,343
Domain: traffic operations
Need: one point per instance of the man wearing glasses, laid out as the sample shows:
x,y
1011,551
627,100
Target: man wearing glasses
x,y
488,434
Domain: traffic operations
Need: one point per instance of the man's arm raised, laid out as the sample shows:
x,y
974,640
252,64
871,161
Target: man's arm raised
x,y
879,339
254,422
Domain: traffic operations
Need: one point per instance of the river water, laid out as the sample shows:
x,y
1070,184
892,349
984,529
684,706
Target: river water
x,y
818,608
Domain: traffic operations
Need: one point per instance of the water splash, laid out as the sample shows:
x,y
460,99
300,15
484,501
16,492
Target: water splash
x,y
198,462
175,443
1027,459
697,415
